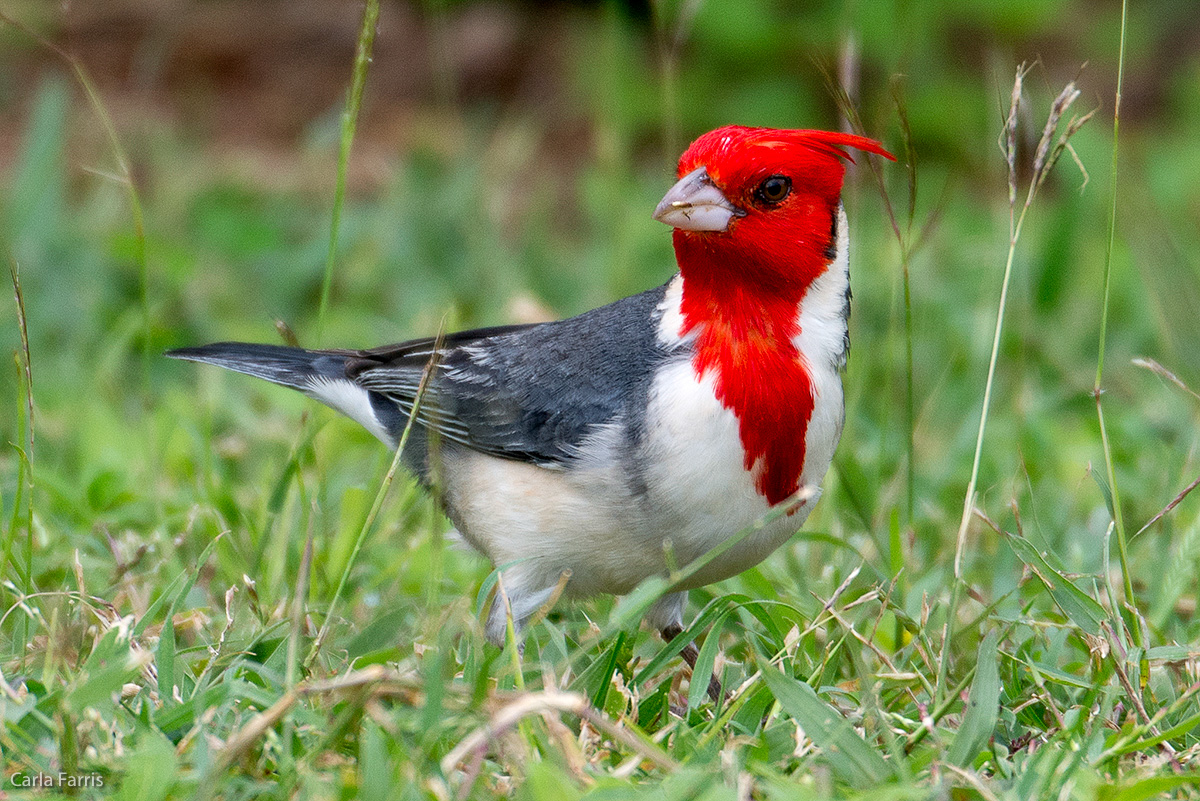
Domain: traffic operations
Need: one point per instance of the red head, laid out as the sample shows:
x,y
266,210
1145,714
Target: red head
x,y
755,214
762,199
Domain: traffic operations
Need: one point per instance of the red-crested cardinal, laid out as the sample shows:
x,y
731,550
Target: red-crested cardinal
x,y
661,424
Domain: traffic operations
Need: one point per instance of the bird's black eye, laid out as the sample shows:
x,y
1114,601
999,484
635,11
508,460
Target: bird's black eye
x,y
774,189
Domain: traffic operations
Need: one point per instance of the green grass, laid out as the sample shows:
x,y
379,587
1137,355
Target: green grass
x,y
174,538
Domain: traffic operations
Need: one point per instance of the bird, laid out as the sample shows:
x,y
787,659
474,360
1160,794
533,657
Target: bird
x,y
608,447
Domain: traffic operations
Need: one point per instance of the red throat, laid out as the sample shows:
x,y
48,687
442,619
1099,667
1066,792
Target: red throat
x,y
745,339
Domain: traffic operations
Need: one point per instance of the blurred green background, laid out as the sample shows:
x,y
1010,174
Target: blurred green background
x,y
508,157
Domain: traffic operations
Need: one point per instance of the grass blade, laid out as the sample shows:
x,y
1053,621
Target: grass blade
x,y
979,719
362,60
1118,518
1079,607
164,660
705,663
1145,789
850,757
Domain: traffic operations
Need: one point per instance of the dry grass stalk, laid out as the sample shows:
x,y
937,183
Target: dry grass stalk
x,y
550,700
1178,498
1162,372
1008,141
26,367
1042,164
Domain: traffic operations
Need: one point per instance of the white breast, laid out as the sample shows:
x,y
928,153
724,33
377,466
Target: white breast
x,y
699,491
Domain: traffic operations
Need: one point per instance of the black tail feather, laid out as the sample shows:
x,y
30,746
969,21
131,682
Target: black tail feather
x,y
289,367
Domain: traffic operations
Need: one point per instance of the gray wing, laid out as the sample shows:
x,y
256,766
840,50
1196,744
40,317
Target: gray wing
x,y
531,393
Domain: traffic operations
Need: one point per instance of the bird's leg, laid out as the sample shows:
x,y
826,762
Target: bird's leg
x,y
690,654
523,600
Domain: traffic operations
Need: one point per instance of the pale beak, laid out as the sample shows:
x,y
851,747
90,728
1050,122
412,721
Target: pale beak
x,y
696,204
